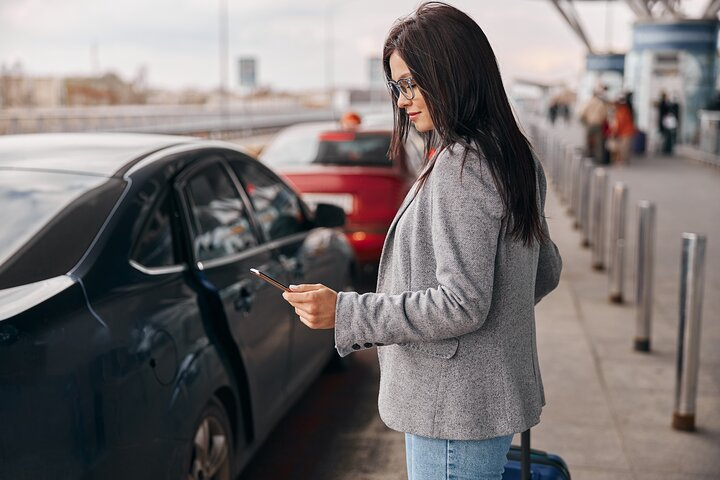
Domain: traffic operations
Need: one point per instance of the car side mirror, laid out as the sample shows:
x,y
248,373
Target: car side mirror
x,y
329,216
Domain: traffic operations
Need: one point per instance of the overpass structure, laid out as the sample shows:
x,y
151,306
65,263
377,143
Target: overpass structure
x,y
671,53
644,10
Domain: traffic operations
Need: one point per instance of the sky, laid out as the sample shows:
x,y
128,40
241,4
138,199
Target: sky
x,y
177,42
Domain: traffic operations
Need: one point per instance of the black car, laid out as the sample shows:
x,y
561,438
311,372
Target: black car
x,y
134,341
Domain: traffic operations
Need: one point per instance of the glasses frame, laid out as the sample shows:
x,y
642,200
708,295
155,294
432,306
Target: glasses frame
x,y
396,88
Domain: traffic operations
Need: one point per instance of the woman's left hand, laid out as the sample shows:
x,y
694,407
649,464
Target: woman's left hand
x,y
314,304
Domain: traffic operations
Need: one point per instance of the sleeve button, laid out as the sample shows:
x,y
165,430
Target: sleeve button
x,y
380,344
368,345
356,346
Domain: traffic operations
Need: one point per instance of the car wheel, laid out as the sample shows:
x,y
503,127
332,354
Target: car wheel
x,y
211,449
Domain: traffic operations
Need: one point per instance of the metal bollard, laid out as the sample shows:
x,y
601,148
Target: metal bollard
x,y
692,273
576,189
545,151
569,178
559,170
597,230
570,186
557,160
645,260
587,170
617,242
566,175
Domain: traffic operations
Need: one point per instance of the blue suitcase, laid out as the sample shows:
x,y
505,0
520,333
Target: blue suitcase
x,y
526,464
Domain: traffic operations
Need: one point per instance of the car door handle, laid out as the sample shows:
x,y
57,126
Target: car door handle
x,y
244,300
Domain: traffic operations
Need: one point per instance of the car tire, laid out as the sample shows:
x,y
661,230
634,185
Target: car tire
x,y
211,448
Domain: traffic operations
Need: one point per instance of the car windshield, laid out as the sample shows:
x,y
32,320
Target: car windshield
x,y
296,148
39,204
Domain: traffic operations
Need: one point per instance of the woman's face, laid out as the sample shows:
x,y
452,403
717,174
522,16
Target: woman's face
x,y
415,109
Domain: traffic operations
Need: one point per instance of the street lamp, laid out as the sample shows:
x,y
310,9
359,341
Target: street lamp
x,y
223,51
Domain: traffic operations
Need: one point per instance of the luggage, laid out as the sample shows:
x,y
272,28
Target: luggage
x,y
639,142
543,466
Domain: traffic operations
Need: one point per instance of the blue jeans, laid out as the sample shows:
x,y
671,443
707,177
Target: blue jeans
x,y
436,459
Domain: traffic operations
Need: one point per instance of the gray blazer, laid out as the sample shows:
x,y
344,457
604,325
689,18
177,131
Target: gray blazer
x,y
453,318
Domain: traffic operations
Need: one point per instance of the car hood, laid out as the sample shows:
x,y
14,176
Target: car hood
x,y
18,299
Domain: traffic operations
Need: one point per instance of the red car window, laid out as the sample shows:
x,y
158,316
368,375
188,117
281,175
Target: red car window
x,y
354,149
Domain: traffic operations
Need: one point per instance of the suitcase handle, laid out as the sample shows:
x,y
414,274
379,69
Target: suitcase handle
x,y
525,455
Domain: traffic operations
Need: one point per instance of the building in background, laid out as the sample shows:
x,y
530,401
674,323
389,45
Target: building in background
x,y
679,58
109,89
20,90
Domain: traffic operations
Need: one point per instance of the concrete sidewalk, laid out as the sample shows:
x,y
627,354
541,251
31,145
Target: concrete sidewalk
x,y
609,408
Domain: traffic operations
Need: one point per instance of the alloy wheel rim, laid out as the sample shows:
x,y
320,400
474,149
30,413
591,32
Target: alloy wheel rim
x,y
210,456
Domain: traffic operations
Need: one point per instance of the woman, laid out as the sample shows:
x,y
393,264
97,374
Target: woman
x,y
465,260
623,130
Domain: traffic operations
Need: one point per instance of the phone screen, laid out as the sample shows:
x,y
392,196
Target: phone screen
x,y
269,279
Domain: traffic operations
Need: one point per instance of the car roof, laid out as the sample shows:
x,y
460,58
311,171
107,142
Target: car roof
x,y
317,127
103,154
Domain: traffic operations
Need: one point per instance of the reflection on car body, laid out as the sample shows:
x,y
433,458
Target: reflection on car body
x,y
130,325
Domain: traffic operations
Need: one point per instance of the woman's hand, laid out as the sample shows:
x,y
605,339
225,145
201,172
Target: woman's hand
x,y
314,304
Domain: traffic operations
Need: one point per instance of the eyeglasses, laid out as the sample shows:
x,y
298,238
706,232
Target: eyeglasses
x,y
404,86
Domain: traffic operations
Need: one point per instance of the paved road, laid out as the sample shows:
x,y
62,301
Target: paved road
x,y
334,432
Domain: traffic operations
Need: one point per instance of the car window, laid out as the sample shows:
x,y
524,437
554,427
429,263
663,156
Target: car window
x,y
154,247
220,222
292,147
354,149
277,207
49,220
305,146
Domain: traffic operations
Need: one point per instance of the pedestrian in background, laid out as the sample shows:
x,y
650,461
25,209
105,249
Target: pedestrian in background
x,y
593,115
553,111
464,263
623,130
668,115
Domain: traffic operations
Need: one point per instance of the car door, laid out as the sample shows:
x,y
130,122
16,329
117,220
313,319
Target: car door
x,y
225,245
307,254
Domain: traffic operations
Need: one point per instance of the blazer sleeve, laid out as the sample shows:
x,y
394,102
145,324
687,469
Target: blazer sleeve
x,y
465,217
549,260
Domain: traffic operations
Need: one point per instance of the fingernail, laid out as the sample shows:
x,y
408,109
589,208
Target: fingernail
x,y
293,287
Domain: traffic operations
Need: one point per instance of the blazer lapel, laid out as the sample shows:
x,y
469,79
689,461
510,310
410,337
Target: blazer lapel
x,y
387,245
406,203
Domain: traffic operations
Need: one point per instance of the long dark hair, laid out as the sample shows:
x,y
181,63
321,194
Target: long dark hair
x,y
454,66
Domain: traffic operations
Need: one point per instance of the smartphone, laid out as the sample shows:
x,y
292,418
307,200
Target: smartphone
x,y
269,279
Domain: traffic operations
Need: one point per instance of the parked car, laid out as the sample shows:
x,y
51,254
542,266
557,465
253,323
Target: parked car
x,y
350,169
134,341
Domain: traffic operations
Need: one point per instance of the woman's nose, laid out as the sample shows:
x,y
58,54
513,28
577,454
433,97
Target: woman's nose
x,y
403,102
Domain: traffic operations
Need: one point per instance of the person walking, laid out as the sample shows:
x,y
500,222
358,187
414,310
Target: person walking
x,y
465,260
623,130
668,115
593,115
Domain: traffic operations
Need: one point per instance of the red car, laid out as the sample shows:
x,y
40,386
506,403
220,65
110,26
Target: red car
x,y
350,169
